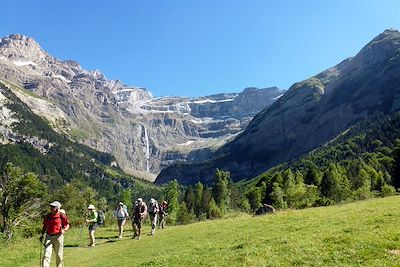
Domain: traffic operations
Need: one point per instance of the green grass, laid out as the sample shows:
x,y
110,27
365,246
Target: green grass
x,y
363,233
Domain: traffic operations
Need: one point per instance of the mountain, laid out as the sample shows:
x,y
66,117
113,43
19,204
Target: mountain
x,y
144,133
29,142
309,114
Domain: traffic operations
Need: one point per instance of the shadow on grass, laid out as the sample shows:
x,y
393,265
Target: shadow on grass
x,y
71,246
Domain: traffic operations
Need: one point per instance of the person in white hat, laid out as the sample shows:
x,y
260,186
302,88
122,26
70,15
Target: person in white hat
x,y
139,213
122,214
92,221
55,224
153,212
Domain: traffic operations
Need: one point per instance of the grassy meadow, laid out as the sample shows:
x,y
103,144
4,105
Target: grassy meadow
x,y
363,233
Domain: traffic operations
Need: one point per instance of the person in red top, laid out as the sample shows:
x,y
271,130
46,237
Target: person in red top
x,y
54,226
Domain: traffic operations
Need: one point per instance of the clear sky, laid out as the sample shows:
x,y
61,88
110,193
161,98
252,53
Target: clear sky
x,y
196,48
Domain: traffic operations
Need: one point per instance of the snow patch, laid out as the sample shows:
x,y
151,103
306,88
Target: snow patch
x,y
24,63
205,120
275,98
212,101
61,78
187,143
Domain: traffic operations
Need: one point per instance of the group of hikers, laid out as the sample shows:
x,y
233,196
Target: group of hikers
x,y
56,223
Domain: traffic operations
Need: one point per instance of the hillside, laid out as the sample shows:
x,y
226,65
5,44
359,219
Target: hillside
x,y
363,233
29,141
309,114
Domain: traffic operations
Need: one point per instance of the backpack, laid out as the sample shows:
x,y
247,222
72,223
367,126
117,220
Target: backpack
x,y
100,217
153,208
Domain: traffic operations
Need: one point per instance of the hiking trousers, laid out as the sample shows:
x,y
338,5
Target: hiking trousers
x,y
161,223
137,226
153,220
55,242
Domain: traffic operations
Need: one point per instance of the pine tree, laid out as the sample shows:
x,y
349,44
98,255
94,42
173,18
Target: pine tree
x,y
277,197
205,201
214,211
184,216
312,176
335,185
172,196
189,198
396,165
198,198
221,191
254,197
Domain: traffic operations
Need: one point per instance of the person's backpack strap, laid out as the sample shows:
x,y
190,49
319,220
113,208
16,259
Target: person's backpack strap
x,y
64,218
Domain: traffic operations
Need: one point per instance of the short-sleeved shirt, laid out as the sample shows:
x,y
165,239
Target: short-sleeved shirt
x,y
92,217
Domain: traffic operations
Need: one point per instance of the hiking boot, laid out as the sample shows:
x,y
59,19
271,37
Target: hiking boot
x,y
138,237
120,237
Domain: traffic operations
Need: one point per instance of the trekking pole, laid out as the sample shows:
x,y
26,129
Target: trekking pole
x,y
40,257
80,235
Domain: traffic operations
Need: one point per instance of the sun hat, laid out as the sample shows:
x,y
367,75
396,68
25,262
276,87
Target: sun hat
x,y
56,204
91,207
140,199
120,203
62,211
152,200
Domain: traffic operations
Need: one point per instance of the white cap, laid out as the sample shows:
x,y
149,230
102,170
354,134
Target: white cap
x,y
56,204
91,207
140,199
152,200
120,203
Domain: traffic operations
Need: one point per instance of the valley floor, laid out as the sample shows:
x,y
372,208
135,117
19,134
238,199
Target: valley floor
x,y
363,233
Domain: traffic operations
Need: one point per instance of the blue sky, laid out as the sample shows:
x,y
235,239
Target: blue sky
x,y
196,48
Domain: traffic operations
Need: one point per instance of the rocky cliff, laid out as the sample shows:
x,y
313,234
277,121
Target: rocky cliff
x,y
309,114
143,132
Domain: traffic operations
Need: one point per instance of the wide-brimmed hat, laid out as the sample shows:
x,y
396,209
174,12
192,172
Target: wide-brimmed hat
x,y
152,200
120,203
91,207
140,199
56,204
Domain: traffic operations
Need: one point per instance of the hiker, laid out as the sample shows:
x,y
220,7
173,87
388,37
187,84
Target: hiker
x,y
163,212
139,213
121,213
55,224
92,221
153,211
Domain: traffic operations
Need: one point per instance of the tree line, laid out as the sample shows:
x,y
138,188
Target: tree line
x,y
361,163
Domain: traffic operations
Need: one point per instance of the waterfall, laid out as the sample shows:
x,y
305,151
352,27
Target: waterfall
x,y
147,153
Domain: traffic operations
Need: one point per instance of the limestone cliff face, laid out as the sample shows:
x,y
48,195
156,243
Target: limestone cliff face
x,y
309,114
144,133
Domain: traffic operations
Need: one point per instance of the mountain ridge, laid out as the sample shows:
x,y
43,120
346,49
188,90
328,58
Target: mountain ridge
x,y
310,113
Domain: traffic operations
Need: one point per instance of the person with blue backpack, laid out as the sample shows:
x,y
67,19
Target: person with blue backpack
x,y
121,213
92,221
